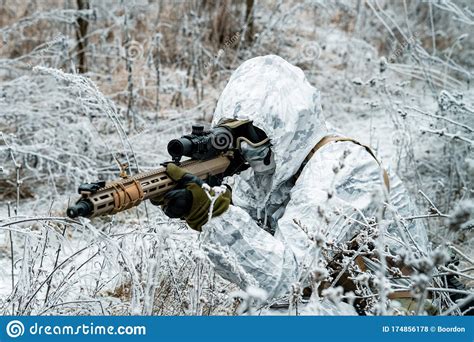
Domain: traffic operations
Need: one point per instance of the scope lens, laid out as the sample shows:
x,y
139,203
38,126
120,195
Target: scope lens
x,y
175,148
180,147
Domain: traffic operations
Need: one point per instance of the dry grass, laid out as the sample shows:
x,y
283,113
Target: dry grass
x,y
160,67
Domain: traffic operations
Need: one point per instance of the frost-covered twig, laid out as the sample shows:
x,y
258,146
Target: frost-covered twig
x,y
442,132
466,127
462,254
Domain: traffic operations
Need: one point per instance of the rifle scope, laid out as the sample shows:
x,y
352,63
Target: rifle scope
x,y
201,144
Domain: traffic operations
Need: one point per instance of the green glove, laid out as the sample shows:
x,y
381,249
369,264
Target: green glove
x,y
188,200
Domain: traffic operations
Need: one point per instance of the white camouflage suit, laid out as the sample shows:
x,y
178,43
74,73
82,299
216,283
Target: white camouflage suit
x,y
341,181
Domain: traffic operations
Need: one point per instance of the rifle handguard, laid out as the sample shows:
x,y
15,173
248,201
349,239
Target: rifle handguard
x,y
126,193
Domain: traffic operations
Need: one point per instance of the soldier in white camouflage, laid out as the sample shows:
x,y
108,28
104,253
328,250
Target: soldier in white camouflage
x,y
305,190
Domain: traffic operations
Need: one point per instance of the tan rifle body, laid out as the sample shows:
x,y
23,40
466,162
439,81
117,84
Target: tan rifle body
x,y
129,192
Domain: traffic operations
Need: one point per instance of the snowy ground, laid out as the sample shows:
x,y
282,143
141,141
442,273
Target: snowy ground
x,y
139,262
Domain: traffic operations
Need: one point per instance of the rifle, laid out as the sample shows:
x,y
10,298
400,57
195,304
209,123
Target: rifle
x,y
214,155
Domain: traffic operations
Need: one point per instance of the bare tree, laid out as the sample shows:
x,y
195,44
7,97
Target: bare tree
x,y
81,35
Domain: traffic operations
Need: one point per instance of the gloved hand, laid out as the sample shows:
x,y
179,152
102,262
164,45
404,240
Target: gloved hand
x,y
188,199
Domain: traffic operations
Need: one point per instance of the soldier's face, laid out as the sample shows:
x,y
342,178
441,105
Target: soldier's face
x,y
261,158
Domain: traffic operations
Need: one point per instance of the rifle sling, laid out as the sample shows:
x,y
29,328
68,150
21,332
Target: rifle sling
x,y
331,138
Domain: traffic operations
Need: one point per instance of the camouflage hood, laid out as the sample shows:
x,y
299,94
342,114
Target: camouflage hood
x,y
276,96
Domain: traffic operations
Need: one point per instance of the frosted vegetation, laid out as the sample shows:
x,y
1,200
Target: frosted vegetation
x,y
86,82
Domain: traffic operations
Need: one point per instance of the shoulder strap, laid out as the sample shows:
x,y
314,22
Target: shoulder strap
x,y
332,138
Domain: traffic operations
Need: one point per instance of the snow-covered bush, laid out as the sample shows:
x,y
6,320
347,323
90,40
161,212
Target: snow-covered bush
x,y
395,75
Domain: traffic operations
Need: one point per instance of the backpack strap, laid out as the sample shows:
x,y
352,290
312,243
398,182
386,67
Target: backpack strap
x,y
332,138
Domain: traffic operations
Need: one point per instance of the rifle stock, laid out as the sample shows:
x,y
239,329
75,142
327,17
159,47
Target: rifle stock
x,y
98,199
